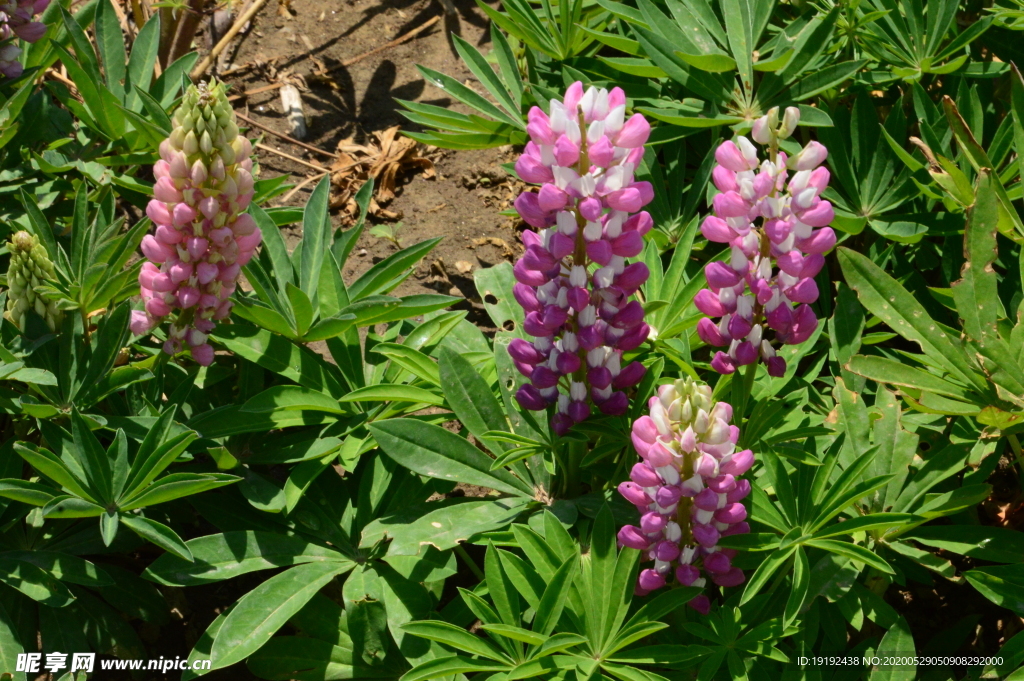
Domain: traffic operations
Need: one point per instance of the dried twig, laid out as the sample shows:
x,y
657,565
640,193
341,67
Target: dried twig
x,y
201,68
300,185
285,137
397,41
272,150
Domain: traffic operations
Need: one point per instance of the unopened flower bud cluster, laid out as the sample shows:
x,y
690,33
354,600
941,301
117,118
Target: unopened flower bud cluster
x,y
29,267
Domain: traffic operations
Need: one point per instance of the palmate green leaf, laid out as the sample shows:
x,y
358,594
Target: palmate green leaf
x,y
853,552
316,231
294,398
393,392
412,360
10,645
997,544
64,567
217,557
884,370
471,399
457,637
34,582
377,279
157,452
898,642
873,521
260,613
941,465
443,524
158,533
437,453
448,666
175,486
277,354
47,463
34,493
765,571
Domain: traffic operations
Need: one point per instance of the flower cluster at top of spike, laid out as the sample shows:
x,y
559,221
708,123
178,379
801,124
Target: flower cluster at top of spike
x,y
203,236
573,280
30,267
687,489
16,22
746,292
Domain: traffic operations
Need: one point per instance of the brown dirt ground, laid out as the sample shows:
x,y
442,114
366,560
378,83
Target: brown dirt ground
x,y
463,200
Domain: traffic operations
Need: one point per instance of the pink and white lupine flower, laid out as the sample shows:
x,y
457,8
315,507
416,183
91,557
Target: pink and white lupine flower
x,y
687,489
16,22
777,228
202,235
573,280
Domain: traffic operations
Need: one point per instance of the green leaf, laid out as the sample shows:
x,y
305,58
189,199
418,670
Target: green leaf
x,y
443,524
898,642
388,272
393,392
217,557
889,371
457,637
260,613
437,453
884,297
92,458
555,595
316,229
853,552
34,583
293,398
449,666
158,533
997,544
412,360
873,521
471,398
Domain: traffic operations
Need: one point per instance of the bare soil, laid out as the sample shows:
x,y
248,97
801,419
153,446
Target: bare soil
x,y
461,203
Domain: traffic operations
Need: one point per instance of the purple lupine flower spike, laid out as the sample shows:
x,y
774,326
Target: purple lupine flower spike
x,y
573,280
687,490
202,235
771,265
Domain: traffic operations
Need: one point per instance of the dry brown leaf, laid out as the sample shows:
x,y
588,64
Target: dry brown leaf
x,y
384,159
506,250
463,266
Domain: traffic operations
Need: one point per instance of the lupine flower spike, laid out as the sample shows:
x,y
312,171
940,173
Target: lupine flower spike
x,y
687,489
30,267
573,280
772,263
203,236
16,22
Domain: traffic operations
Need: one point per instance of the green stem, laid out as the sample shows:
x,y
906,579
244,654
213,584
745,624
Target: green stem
x,y
572,483
741,393
1015,446
474,568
